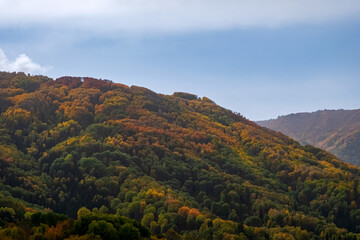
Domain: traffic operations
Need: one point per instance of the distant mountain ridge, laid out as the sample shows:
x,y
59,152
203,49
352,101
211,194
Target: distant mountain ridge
x,y
336,131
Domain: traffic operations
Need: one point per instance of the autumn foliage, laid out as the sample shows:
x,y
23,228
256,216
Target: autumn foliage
x,y
173,166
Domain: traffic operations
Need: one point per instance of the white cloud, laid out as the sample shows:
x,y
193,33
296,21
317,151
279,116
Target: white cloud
x,y
173,15
21,64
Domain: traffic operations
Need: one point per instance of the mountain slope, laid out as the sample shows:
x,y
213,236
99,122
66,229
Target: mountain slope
x,y
181,165
336,131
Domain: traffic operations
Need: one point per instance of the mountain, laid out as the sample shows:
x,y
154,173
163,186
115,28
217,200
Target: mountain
x,y
173,166
336,131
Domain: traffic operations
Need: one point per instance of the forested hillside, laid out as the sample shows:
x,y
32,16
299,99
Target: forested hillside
x,y
335,131
181,167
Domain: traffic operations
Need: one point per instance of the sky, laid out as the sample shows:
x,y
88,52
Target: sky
x,y
259,58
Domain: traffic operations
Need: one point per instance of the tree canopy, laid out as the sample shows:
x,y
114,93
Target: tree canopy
x,y
173,166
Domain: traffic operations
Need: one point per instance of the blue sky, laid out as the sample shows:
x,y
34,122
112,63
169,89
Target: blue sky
x,y
259,58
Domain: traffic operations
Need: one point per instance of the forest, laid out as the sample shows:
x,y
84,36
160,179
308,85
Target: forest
x,y
84,158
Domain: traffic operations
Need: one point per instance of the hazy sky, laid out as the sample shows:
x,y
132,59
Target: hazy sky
x,y
261,58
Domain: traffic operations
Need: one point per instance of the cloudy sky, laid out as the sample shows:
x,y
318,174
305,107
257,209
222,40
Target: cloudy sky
x,y
261,58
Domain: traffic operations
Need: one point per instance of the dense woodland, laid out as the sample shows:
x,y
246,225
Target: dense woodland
x,y
335,131
83,158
